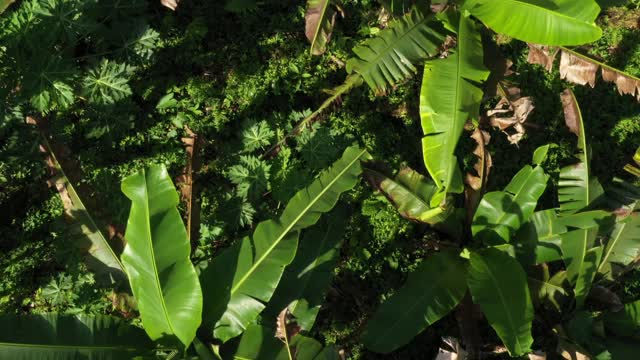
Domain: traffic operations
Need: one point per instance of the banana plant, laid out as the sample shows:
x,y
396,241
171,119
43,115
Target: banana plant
x,y
502,258
173,301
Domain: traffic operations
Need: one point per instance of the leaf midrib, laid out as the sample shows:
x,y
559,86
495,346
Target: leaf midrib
x,y
101,237
317,32
153,256
268,251
504,303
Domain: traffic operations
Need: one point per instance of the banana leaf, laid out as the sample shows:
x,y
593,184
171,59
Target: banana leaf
x,y
58,337
499,285
390,57
431,292
501,213
625,322
240,280
576,188
539,240
553,22
156,257
259,343
304,282
319,20
449,97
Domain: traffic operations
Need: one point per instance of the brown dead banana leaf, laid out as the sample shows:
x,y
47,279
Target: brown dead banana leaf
x,y
542,55
320,19
577,70
511,113
286,327
171,4
476,183
571,112
581,69
100,251
186,182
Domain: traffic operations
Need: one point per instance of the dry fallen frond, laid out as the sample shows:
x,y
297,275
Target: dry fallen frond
x,y
511,113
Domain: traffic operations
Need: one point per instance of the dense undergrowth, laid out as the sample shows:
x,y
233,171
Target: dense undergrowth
x,y
241,81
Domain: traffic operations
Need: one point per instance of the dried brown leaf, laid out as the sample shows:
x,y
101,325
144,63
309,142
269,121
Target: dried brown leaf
x,y
286,327
171,4
186,182
578,70
477,182
625,84
511,113
571,112
320,19
542,55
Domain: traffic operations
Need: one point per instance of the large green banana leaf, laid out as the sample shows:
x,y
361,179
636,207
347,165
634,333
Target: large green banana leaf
x,y
550,290
539,240
390,57
156,257
100,256
260,343
576,188
625,322
319,20
551,22
59,337
431,292
575,245
243,277
450,95
305,281
501,213
499,285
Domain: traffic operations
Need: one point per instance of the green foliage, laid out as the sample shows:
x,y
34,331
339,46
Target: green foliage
x,y
106,83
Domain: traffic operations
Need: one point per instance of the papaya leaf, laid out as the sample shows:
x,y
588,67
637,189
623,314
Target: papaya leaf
x,y
556,22
390,57
499,285
431,292
319,21
55,336
449,97
240,280
156,257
